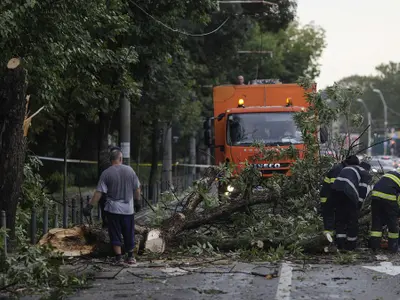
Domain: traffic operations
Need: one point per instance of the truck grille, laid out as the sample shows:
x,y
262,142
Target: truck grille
x,y
272,171
271,166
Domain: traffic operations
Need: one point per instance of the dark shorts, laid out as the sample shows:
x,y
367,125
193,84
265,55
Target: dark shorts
x,y
121,225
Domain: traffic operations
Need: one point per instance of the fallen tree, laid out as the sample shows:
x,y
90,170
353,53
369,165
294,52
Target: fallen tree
x,y
283,213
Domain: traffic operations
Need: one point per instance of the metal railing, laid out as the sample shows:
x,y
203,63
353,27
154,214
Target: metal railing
x,y
72,210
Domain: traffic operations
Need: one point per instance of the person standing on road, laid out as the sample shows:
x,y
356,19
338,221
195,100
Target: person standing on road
x,y
349,190
122,188
385,210
326,200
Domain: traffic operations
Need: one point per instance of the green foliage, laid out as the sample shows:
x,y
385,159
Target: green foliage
x,y
203,249
37,270
346,258
55,182
33,193
34,269
295,52
386,80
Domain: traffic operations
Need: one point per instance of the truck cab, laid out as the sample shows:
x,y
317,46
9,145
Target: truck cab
x,y
261,112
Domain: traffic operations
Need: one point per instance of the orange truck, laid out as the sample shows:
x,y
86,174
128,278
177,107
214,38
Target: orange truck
x,y
261,112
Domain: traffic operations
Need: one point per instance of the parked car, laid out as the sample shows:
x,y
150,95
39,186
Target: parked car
x,y
387,163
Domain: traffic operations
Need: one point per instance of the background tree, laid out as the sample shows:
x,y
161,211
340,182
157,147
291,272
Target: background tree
x,y
386,81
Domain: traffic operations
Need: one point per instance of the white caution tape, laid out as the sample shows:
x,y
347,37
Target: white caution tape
x,y
193,165
68,160
95,162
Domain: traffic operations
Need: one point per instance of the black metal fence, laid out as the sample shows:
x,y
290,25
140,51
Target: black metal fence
x,y
70,213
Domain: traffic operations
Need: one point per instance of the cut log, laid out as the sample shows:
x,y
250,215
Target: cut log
x,y
13,63
94,241
70,242
155,243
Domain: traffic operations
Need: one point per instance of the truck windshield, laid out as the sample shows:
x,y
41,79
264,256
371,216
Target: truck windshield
x,y
270,128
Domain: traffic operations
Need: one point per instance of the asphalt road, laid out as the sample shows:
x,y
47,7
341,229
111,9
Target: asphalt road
x,y
248,281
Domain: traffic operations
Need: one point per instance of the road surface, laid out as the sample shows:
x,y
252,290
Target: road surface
x,y
234,280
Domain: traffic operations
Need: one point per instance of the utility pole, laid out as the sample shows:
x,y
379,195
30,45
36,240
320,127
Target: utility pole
x,y
125,128
384,115
167,158
208,152
369,151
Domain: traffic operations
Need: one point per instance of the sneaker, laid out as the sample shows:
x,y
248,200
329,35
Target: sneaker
x,y
116,262
130,261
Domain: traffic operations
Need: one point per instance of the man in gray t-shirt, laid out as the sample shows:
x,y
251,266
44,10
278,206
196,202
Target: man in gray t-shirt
x,y
121,186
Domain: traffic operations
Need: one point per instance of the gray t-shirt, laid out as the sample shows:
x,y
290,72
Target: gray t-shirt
x,y
119,182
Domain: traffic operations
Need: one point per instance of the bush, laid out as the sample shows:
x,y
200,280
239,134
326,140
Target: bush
x,y
54,183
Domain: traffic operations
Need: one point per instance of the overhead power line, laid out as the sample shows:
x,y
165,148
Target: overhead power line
x,y
178,30
393,111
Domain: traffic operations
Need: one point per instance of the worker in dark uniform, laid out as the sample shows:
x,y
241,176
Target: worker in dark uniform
x,y
348,191
327,203
385,210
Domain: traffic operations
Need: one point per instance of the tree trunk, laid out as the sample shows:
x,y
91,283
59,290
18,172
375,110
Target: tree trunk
x,y
65,175
12,142
103,161
125,128
192,158
104,129
167,158
154,158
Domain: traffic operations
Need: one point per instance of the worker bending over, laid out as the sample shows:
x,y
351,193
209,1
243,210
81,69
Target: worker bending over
x,y
327,203
385,210
349,190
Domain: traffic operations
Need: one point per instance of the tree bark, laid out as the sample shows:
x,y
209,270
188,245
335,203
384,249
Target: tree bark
x,y
104,129
154,158
12,142
103,161
65,174
167,158
192,157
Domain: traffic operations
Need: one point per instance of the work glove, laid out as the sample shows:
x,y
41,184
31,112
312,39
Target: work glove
x,y
137,206
87,211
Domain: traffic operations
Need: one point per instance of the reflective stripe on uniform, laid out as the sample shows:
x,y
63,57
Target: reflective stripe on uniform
x,y
384,196
355,171
375,233
329,231
329,180
393,235
323,199
351,239
341,235
394,178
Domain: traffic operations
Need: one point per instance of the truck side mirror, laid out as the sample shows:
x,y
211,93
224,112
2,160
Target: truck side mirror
x,y
208,138
323,134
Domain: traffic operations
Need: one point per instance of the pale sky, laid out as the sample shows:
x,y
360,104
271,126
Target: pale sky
x,y
360,34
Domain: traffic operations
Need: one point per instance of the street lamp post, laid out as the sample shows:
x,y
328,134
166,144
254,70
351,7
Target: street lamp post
x,y
384,115
369,151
